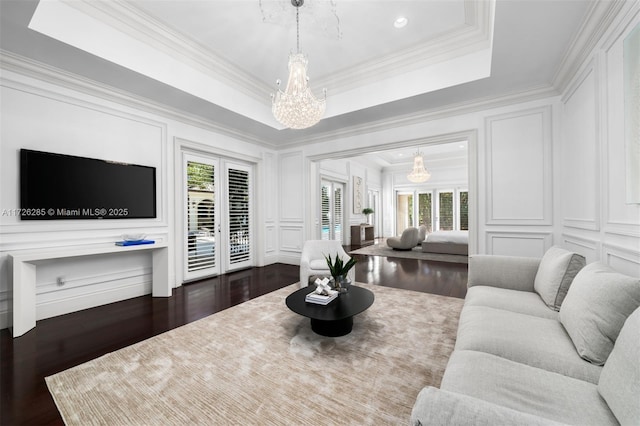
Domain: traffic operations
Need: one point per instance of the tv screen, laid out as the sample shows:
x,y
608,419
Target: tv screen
x,y
56,186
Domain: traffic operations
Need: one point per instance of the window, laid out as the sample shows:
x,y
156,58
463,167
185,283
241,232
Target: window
x,y
445,210
404,211
464,210
425,216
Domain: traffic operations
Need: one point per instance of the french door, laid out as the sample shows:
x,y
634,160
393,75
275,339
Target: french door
x,y
439,210
217,229
237,227
331,210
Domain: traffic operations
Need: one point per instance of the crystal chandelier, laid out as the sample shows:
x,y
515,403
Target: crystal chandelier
x,y
419,173
297,107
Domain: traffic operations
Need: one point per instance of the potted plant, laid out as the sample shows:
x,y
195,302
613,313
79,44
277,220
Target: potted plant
x,y
339,269
367,211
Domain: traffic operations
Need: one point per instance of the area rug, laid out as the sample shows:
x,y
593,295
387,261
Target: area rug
x,y
260,363
381,249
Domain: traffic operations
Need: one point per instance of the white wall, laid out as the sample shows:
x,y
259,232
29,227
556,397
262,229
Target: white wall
x,y
541,173
76,119
594,217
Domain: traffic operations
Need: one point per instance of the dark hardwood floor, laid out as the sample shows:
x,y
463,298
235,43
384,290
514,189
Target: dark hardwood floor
x,y
62,342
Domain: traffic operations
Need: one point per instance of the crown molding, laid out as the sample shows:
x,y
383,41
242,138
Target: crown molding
x,y
48,74
476,105
58,77
598,19
129,19
476,34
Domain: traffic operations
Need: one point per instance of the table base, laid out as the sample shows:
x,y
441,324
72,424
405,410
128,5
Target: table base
x,y
332,328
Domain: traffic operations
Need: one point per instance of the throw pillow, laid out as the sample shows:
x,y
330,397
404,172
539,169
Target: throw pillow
x,y
556,272
597,305
619,383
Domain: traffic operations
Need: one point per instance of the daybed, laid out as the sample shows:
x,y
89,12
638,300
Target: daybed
x,y
537,346
447,242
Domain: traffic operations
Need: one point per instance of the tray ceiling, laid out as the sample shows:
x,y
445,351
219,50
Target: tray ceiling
x,y
219,60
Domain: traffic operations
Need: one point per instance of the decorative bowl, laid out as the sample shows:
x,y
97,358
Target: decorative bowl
x,y
133,237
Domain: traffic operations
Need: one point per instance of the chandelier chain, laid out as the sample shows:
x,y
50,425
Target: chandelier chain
x,y
297,29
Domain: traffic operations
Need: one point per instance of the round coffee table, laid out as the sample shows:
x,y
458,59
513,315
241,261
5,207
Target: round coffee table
x,y
336,318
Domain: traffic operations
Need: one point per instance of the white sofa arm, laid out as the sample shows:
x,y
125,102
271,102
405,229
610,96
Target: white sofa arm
x,y
440,407
510,272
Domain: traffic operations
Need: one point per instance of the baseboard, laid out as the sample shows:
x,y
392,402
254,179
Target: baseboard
x,y
292,259
126,289
4,320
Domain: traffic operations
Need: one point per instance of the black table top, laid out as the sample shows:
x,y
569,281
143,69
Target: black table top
x,y
346,305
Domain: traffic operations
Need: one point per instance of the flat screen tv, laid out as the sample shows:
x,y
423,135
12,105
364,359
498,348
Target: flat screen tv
x,y
57,186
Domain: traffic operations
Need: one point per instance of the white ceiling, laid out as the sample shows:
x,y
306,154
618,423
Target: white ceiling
x,y
217,61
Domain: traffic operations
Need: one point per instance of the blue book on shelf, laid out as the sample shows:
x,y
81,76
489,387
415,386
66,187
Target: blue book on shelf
x,y
134,243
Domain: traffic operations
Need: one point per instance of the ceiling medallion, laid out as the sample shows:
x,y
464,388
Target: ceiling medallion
x,y
419,174
297,107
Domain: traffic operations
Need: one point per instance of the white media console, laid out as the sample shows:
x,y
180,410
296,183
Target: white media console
x,y
23,299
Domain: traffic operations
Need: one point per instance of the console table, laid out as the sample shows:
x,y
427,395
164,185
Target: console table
x,y
362,235
23,297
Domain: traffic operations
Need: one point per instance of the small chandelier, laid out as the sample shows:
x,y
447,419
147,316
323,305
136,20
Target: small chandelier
x,y
419,173
297,107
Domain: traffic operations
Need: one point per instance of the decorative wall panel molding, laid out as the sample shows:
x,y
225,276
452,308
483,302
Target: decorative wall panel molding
x,y
529,244
626,229
124,289
519,168
87,128
269,171
585,246
622,259
580,151
270,239
292,187
291,238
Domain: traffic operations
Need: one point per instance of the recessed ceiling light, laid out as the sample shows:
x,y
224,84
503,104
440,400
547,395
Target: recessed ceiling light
x,y
400,22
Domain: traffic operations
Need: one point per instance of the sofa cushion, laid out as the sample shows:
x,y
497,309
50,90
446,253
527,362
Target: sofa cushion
x,y
511,272
619,382
557,270
523,302
525,388
527,339
597,305
440,407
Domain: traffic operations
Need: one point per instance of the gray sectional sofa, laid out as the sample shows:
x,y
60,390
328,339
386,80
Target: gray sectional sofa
x,y
541,342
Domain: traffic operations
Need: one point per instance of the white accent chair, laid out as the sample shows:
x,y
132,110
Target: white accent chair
x,y
312,261
407,241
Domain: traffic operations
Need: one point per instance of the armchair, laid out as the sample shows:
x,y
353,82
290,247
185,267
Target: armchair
x,y
312,261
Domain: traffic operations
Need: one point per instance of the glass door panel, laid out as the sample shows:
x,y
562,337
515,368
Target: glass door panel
x,y
238,224
445,210
201,203
404,211
425,211
464,210
331,210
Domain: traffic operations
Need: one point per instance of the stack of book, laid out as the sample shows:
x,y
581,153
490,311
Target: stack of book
x,y
320,299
